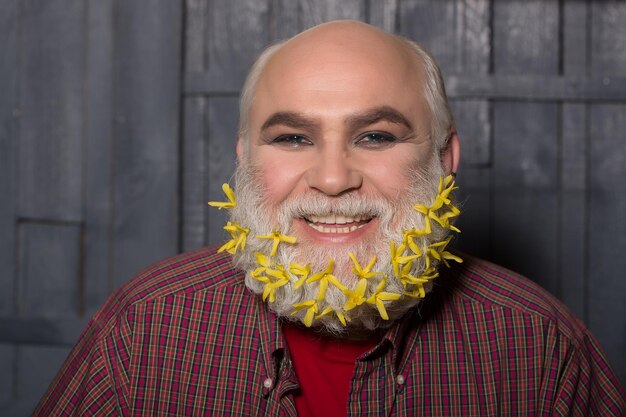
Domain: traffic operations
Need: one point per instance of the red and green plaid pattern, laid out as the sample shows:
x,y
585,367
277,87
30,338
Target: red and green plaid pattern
x,y
186,338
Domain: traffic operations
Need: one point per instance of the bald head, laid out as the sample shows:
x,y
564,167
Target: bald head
x,y
342,55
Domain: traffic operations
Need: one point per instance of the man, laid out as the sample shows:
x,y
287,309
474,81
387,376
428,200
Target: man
x,y
340,300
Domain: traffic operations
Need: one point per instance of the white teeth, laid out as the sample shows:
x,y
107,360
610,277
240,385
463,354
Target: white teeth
x,y
335,219
323,229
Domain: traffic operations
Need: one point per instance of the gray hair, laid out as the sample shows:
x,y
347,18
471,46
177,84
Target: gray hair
x,y
434,91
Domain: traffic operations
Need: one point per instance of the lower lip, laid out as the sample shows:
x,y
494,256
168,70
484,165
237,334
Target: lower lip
x,y
341,237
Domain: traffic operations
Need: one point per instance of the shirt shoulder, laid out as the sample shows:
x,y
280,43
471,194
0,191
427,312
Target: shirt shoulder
x,y
182,275
492,286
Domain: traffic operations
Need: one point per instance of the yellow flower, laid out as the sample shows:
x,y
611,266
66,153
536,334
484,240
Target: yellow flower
x,y
380,296
280,278
300,271
326,277
356,297
363,272
398,258
311,309
230,195
263,262
438,251
277,237
238,240
445,188
418,282
409,235
329,310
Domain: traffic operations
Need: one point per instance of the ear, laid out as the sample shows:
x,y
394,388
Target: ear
x,y
239,149
451,153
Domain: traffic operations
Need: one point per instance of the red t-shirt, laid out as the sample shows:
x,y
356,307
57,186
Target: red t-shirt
x,y
324,367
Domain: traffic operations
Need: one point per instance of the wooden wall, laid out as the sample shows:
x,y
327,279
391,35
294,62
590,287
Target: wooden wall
x,y
118,123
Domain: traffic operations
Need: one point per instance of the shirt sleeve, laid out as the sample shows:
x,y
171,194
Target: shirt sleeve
x,y
93,381
589,387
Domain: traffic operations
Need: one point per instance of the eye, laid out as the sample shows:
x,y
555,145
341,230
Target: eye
x,y
376,139
293,141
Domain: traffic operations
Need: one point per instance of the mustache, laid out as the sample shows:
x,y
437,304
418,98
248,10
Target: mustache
x,y
350,205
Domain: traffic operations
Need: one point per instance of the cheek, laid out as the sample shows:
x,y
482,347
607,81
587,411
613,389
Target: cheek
x,y
280,178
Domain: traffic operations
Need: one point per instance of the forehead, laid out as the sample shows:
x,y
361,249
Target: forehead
x,y
338,72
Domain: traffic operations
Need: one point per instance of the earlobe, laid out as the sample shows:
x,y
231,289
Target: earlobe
x,y
239,150
451,154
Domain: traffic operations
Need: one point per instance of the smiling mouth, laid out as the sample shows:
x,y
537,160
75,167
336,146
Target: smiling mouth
x,y
336,223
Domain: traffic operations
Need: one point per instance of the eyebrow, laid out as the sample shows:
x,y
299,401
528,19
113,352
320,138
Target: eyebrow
x,y
355,121
377,114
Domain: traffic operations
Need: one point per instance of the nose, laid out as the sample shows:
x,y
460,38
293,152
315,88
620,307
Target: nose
x,y
334,172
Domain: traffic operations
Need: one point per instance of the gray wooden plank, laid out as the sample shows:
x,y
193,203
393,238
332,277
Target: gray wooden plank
x,y
526,37
37,366
525,194
196,19
147,99
608,37
194,201
607,231
473,124
575,37
51,105
7,373
383,14
314,12
220,158
8,151
236,33
474,200
49,265
573,210
459,45
463,86
284,21
98,156
43,331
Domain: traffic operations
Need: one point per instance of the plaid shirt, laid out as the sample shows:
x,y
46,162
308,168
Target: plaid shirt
x,y
187,338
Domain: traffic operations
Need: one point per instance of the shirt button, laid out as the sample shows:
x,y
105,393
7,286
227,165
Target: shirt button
x,y
400,379
267,383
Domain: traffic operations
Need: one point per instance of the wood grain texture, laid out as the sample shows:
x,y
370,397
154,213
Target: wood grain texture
x,y
221,121
51,104
194,201
7,374
607,231
383,14
526,37
8,150
314,12
98,158
608,38
472,120
525,210
147,74
49,264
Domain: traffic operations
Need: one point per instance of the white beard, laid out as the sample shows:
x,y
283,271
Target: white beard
x,y
394,218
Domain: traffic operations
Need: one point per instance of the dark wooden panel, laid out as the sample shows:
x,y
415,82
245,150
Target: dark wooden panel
x,y
525,190
222,120
383,14
49,265
573,212
8,145
236,33
314,12
196,20
51,103
607,231
45,331
7,373
575,37
98,155
525,38
284,21
474,128
608,37
474,200
461,44
194,203
147,73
